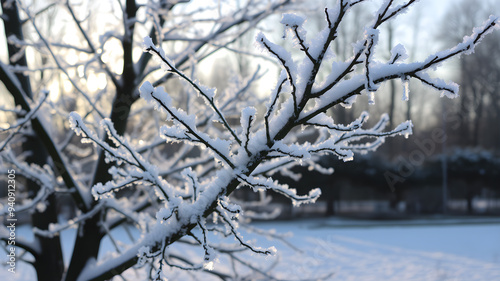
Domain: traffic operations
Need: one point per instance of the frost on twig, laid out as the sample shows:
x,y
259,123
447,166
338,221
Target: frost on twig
x,y
192,195
43,176
16,128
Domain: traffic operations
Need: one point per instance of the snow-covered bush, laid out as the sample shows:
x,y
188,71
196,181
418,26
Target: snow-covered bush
x,y
217,141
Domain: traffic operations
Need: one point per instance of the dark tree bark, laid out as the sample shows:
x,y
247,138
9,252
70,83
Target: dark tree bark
x,y
87,246
48,261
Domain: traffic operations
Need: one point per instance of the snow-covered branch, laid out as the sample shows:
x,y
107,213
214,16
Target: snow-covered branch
x,y
171,172
297,99
56,229
207,93
59,64
44,177
21,122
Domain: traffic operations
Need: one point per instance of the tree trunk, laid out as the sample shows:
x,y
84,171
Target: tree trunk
x,y
330,206
48,263
470,207
479,115
87,245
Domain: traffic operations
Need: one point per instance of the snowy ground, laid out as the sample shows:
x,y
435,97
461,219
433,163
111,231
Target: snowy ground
x,y
358,250
399,252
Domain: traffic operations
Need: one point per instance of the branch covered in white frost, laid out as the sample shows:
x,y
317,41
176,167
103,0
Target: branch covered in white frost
x,y
44,177
245,153
16,128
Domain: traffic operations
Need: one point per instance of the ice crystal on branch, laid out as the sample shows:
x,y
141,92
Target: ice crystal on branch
x,y
268,147
175,172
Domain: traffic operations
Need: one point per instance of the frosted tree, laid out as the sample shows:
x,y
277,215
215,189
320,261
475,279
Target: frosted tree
x,y
170,173
479,106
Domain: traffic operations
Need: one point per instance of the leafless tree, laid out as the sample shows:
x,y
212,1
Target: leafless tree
x,y
170,173
477,113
